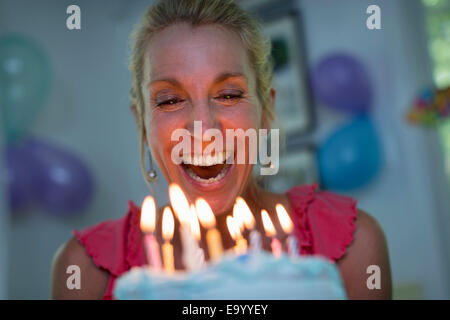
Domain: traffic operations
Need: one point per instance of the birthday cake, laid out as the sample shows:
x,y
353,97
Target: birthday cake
x,y
251,276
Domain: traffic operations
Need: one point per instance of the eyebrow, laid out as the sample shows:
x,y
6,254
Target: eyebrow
x,y
220,78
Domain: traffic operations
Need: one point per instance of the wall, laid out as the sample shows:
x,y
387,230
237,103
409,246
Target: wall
x,y
4,223
403,198
87,112
4,214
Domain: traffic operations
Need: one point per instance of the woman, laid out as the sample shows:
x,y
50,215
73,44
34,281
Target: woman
x,y
206,60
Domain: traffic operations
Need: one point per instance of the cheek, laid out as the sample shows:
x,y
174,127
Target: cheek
x,y
160,132
244,117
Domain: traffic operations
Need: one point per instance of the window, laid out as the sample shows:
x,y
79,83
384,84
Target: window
x,y
437,19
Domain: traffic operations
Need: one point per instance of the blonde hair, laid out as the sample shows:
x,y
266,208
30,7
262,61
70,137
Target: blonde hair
x,y
225,13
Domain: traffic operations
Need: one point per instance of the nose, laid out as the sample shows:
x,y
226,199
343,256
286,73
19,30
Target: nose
x,y
203,111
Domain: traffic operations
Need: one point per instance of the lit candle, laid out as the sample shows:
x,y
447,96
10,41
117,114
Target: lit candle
x,y
195,226
255,240
244,213
179,204
148,222
197,259
241,244
168,225
192,259
208,221
288,227
242,210
238,217
271,232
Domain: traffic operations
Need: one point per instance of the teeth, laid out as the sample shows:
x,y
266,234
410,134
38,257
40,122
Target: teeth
x,y
229,157
187,158
210,180
207,160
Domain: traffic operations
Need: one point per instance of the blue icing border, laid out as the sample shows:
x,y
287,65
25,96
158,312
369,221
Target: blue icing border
x,y
140,283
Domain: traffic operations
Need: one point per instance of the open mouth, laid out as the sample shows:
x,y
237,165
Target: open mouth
x,y
207,168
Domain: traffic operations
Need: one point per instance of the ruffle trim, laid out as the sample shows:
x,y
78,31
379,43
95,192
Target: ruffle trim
x,y
323,221
135,254
115,245
300,197
110,244
91,251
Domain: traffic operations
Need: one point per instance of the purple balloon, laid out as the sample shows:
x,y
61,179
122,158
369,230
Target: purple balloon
x,y
21,175
64,185
341,82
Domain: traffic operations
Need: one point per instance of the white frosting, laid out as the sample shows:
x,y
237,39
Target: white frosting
x,y
252,276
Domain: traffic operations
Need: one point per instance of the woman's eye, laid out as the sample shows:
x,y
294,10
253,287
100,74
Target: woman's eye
x,y
229,97
168,102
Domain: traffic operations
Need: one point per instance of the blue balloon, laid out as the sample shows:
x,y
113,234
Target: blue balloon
x,y
25,76
341,82
351,157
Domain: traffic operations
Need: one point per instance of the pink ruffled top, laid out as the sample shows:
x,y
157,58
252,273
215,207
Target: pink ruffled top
x,y
323,224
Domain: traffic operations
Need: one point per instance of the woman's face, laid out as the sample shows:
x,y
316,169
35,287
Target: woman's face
x,y
199,74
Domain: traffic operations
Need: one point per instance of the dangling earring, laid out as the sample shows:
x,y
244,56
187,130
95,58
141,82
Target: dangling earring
x,y
151,173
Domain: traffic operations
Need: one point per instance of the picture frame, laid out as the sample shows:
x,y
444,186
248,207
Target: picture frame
x,y
282,22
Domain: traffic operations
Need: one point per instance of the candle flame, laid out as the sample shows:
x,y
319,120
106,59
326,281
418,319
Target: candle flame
x,y
168,224
195,226
233,228
205,214
244,212
238,217
285,220
148,215
179,203
268,224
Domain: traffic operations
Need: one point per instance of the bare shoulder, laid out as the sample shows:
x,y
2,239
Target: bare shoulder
x,y
93,280
367,254
368,231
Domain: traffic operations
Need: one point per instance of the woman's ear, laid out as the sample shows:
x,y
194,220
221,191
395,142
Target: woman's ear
x,y
272,96
133,109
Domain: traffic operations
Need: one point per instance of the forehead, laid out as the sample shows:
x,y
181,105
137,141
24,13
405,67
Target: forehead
x,y
187,52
